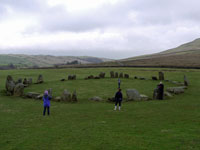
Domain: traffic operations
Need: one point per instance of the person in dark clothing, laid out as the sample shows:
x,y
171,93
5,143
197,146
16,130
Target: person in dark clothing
x,y
46,100
118,99
160,91
119,82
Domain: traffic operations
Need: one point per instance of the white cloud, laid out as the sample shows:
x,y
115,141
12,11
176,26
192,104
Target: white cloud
x,y
109,28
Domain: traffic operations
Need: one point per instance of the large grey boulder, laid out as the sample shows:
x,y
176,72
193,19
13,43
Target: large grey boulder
x,y
176,90
132,94
19,89
10,85
161,76
66,96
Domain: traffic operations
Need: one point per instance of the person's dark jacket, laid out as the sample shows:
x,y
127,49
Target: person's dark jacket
x,y
118,96
160,91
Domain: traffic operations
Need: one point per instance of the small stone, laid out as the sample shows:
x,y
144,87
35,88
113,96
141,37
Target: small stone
x,y
154,78
58,99
144,97
96,98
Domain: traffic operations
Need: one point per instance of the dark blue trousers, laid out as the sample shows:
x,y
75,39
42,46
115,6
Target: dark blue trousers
x,y
118,101
44,111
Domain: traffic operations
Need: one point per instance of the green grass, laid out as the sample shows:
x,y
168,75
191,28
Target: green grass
x,y
149,125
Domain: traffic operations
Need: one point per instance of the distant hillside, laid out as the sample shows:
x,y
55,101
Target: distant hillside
x,y
46,60
186,55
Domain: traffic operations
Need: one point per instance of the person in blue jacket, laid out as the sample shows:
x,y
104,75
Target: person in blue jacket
x,y
118,99
46,100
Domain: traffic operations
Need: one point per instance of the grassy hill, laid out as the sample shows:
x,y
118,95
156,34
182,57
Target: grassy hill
x,y
186,55
45,60
171,124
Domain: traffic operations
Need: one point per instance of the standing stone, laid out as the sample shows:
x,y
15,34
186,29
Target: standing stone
x,y
73,77
155,93
186,83
19,89
132,94
126,76
30,81
19,80
74,97
10,85
112,75
102,75
121,75
161,76
116,75
25,82
69,77
66,96
50,92
40,79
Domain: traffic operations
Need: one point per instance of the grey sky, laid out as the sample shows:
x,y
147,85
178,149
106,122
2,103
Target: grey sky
x,y
102,28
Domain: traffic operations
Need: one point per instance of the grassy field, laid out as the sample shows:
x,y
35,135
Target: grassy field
x,y
171,124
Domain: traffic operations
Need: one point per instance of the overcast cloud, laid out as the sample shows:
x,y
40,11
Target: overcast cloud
x,y
102,28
